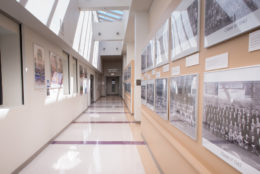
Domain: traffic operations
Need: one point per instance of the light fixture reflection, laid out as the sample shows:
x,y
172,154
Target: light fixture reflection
x,y
69,160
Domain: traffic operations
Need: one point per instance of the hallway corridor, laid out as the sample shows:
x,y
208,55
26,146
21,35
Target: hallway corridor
x,y
103,139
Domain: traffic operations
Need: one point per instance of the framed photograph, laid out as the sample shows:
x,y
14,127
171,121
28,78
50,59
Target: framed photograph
x,y
162,45
231,117
39,66
143,60
226,19
56,71
161,98
150,94
150,54
183,103
185,25
129,72
143,91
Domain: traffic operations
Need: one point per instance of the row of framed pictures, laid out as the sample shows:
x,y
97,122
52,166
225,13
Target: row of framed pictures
x,y
231,111
224,19
59,72
127,73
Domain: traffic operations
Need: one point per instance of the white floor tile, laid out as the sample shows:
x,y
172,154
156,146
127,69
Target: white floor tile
x,y
102,117
96,132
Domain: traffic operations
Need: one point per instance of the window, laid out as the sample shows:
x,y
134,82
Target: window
x,y
11,87
66,81
74,76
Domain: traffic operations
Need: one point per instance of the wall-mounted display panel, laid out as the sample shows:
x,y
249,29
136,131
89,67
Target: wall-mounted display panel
x,y
56,66
162,45
150,54
39,66
143,91
183,103
161,98
143,60
231,118
225,19
150,94
185,25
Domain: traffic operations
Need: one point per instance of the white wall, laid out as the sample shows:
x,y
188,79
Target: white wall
x,y
25,129
109,30
141,30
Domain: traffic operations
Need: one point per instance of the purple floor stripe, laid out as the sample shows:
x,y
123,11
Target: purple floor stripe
x,y
106,106
106,112
101,142
107,122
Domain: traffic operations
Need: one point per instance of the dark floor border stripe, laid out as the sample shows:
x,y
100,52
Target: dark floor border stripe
x,y
107,122
106,107
100,142
106,112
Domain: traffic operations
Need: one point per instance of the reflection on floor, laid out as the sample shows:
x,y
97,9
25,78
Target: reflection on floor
x,y
104,139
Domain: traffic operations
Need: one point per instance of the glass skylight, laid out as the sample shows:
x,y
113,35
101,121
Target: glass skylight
x,y
110,15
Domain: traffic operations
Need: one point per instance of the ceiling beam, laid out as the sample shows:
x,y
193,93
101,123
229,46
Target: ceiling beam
x,y
104,4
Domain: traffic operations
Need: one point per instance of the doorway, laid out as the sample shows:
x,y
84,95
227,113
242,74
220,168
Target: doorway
x,y
92,88
112,86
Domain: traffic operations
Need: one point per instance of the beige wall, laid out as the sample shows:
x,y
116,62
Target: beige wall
x,y
174,151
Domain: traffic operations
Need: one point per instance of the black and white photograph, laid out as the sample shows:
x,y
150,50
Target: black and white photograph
x,y
127,87
161,98
150,94
185,29
143,60
225,19
162,45
143,92
150,55
231,117
129,73
183,103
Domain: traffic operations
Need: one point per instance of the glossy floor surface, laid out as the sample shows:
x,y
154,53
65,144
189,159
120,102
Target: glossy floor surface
x,y
104,139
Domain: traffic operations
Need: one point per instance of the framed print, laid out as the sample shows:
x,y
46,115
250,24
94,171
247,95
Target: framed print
x,y
150,94
143,91
183,103
56,71
161,98
143,60
185,25
231,117
129,73
162,45
39,66
225,19
150,54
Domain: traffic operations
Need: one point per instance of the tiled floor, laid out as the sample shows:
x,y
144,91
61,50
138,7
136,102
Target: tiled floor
x,y
105,140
